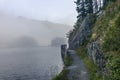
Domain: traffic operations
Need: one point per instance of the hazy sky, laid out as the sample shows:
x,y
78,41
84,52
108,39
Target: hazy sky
x,y
62,11
13,28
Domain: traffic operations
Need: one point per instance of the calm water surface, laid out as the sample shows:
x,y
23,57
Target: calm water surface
x,y
30,63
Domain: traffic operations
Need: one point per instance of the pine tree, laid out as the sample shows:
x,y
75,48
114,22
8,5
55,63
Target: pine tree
x,y
95,6
81,9
88,6
100,4
105,2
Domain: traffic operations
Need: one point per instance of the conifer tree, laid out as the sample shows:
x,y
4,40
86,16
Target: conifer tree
x,y
95,6
105,2
81,9
89,6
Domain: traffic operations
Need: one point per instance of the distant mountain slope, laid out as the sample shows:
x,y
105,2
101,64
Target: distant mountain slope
x,y
43,32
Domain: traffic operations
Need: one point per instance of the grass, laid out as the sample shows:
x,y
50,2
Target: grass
x,y
68,61
111,48
113,65
107,28
102,24
111,41
91,67
63,75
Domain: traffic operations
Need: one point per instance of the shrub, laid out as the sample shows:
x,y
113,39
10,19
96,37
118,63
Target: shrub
x,y
111,41
62,75
91,67
113,66
68,61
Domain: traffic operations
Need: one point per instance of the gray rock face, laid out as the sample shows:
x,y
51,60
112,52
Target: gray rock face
x,y
82,34
94,48
95,53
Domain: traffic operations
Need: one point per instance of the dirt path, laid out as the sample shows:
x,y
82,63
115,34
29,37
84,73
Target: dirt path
x,y
77,69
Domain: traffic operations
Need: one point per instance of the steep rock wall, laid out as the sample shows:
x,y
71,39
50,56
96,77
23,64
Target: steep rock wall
x,y
94,50
95,53
82,34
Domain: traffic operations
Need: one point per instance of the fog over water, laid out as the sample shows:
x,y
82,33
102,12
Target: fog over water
x,y
15,31
31,32
35,19
21,54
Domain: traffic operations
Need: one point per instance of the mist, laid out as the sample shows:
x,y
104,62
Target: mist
x,y
20,31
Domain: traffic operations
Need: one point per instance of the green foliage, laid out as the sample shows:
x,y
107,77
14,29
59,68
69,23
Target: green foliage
x,y
107,28
113,0
103,23
92,68
111,46
62,75
68,61
107,32
111,41
113,66
82,52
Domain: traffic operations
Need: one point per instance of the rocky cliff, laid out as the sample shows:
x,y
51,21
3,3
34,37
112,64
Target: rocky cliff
x,y
100,36
83,33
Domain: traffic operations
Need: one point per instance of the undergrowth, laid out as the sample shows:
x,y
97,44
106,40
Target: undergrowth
x,y
107,31
91,67
68,61
62,75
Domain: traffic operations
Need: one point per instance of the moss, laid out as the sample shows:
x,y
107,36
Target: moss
x,y
111,41
68,61
106,30
111,46
82,52
113,65
91,67
93,70
62,75
103,23
107,27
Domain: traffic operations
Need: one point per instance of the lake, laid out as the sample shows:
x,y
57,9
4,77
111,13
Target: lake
x,y
41,63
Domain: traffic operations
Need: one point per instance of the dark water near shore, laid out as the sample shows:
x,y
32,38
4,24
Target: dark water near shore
x,y
40,63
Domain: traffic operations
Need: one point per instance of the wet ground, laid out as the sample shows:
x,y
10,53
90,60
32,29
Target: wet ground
x,y
77,70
